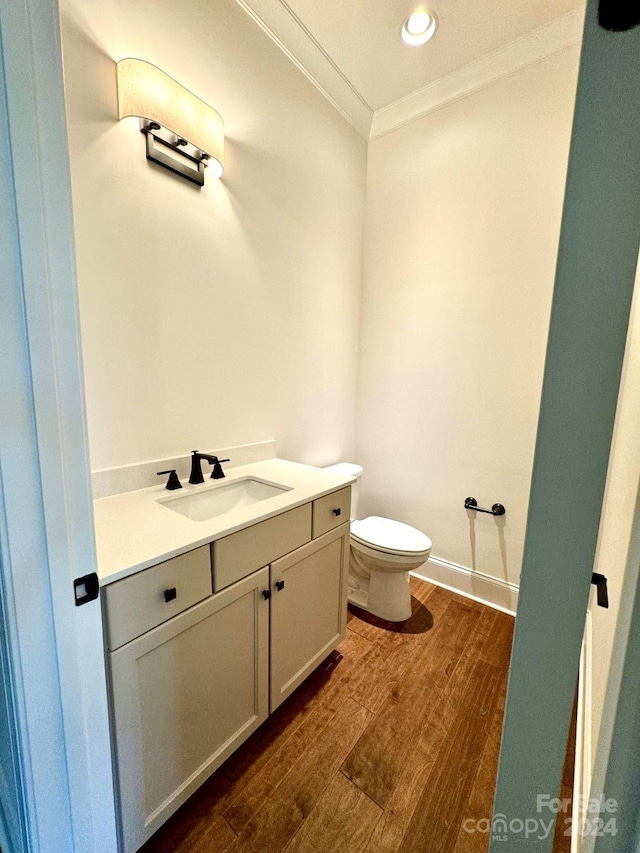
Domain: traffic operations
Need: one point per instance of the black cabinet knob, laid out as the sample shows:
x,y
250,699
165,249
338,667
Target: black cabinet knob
x,y
266,594
279,585
170,594
337,512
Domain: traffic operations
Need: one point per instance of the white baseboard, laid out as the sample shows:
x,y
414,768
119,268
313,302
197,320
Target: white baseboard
x,y
478,586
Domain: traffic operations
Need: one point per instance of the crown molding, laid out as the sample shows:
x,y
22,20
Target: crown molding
x,y
287,31
558,35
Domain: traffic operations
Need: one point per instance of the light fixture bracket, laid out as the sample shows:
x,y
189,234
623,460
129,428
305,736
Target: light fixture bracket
x,y
173,152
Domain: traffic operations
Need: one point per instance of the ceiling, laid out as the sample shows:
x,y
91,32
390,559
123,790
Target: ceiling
x,y
363,39
352,49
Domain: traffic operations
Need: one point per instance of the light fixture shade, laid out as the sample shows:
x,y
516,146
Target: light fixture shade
x,y
147,92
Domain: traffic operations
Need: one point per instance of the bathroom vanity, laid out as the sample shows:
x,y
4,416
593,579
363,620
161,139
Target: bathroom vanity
x,y
202,645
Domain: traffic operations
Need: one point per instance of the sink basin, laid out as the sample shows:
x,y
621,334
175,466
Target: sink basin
x,y
216,500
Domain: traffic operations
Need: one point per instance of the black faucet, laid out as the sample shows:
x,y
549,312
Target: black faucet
x,y
196,466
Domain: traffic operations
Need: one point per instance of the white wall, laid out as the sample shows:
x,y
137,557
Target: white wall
x,y
462,226
229,314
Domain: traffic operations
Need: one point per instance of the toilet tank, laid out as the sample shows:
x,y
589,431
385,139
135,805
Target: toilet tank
x,y
350,469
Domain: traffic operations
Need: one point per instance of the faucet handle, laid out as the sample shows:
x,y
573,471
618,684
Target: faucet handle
x,y
173,482
218,473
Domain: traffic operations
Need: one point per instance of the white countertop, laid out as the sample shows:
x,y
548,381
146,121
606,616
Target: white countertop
x,y
134,531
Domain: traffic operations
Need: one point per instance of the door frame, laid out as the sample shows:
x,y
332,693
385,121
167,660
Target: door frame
x,y
55,649
597,258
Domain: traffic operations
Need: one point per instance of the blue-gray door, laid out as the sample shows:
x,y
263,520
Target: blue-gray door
x,y
596,267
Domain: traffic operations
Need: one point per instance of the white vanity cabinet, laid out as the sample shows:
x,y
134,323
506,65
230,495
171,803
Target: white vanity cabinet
x,y
308,609
185,695
204,646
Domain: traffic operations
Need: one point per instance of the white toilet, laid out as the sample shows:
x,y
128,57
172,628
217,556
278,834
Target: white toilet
x,y
383,552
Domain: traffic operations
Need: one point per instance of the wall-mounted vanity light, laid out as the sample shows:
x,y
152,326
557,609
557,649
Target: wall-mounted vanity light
x,y
183,133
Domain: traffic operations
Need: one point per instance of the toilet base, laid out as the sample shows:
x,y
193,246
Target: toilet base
x,y
383,593
392,606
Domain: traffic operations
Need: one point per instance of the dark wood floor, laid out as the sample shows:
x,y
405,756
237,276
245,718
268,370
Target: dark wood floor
x,y
389,746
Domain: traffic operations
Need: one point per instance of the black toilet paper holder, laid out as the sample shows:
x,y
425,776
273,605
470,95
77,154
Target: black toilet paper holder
x,y
472,503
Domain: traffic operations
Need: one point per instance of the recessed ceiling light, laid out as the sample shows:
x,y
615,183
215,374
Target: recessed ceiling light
x,y
419,28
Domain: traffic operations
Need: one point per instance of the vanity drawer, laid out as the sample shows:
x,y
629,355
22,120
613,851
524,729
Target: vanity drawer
x,y
248,550
138,603
331,511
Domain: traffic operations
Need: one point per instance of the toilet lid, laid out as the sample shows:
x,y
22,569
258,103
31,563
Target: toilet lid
x,y
388,535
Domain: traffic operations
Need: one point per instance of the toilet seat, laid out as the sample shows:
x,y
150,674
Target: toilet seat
x,y
385,536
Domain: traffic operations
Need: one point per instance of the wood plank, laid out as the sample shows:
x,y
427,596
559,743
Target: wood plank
x,y
182,835
391,649
435,598
437,818
498,652
487,620
279,818
395,821
438,652
376,763
373,629
451,596
216,837
266,780
378,675
421,589
414,772
480,803
385,665
463,668
342,819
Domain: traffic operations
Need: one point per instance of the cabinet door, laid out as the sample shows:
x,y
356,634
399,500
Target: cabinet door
x,y
184,696
308,609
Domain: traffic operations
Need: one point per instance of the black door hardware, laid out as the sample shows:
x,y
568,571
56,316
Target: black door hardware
x,y
173,482
618,15
86,588
266,594
600,583
218,473
170,594
472,503
337,512
279,585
